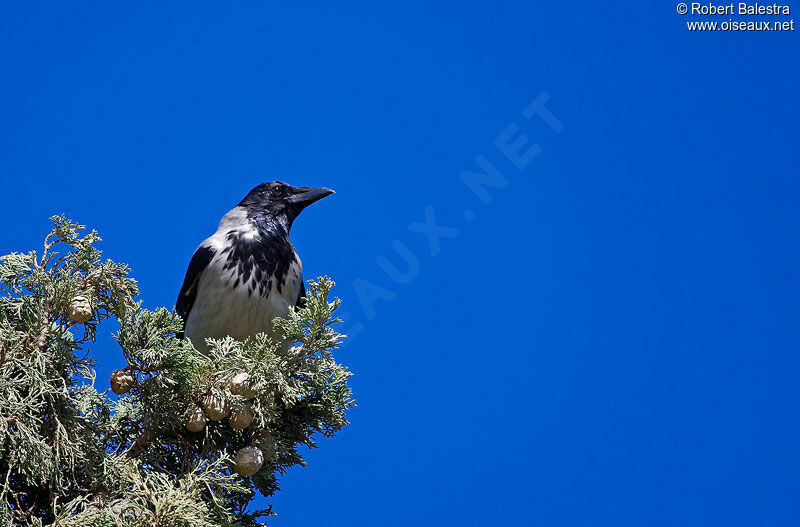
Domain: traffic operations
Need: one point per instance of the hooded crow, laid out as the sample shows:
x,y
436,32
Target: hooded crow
x,y
248,272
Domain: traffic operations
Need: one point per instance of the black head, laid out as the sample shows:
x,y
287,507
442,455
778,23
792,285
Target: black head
x,y
280,200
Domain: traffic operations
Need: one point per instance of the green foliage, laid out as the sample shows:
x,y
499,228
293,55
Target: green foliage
x,y
70,456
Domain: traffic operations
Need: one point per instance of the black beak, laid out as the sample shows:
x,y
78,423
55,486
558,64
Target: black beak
x,y
305,196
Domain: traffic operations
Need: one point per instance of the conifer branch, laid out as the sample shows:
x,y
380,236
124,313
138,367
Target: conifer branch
x,y
171,449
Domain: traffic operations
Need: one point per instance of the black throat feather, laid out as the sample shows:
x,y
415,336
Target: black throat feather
x,y
269,253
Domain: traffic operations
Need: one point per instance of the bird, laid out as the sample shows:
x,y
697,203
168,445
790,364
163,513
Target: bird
x,y
248,272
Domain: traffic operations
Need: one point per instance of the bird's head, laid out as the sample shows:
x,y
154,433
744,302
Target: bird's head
x,y
281,200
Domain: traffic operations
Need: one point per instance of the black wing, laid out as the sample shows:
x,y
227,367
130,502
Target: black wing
x,y
200,260
301,297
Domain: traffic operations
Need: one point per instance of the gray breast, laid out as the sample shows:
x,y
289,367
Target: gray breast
x,y
252,279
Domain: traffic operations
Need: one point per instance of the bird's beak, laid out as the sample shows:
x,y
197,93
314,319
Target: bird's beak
x,y
305,196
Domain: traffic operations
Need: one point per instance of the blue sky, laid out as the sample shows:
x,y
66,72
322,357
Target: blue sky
x,y
610,340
